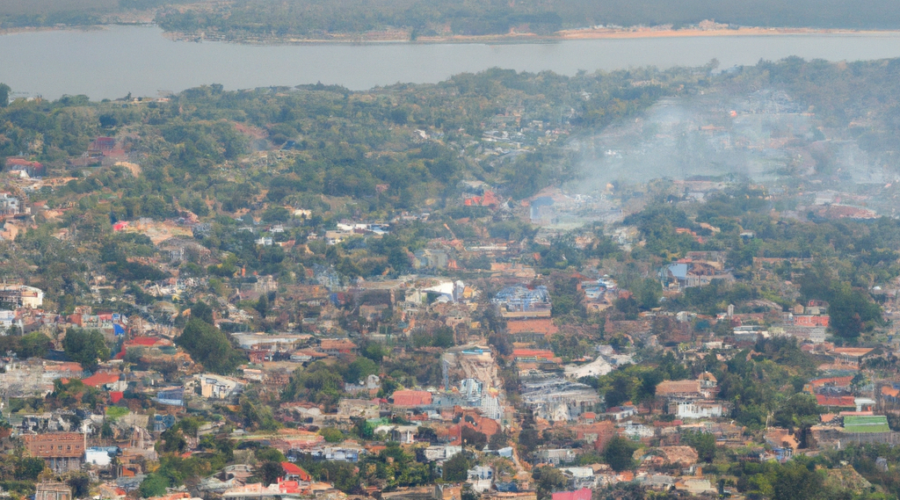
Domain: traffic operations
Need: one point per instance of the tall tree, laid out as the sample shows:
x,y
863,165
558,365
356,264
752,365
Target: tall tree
x,y
87,347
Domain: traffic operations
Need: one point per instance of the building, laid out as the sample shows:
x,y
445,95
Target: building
x,y
219,387
522,302
62,451
52,491
22,296
412,398
679,389
335,347
697,409
9,205
582,494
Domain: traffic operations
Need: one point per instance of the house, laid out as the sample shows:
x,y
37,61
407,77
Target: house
x,y
621,412
62,451
170,396
105,381
836,401
543,326
580,477
441,453
411,398
219,387
343,453
100,456
404,434
582,494
336,347
295,472
480,478
556,456
522,302
697,409
52,491
679,389
371,385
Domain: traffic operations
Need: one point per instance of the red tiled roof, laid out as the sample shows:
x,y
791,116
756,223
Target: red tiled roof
x,y
101,379
835,381
412,398
840,401
116,396
144,341
677,387
293,469
582,494
543,325
533,353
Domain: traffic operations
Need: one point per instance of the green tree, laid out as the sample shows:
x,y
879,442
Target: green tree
x,y
471,437
359,369
795,481
703,442
618,453
87,347
153,485
456,469
548,480
262,305
202,312
210,346
4,95
269,472
33,345
80,484
29,468
332,435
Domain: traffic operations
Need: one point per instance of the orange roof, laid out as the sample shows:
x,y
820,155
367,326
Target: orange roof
x,y
144,341
101,379
543,325
677,387
292,469
836,381
890,391
412,398
840,401
533,353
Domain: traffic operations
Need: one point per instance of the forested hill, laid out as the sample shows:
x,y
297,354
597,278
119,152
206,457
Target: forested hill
x,y
310,18
490,17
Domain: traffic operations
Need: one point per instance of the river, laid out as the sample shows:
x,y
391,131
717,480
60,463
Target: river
x,y
112,62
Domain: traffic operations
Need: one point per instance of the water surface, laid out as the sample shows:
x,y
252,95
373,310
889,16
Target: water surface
x,y
112,62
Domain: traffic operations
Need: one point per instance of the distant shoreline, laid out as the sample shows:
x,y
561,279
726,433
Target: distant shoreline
x,y
403,37
564,35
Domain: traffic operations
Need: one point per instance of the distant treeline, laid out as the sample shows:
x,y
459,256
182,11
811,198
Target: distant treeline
x,y
466,17
39,13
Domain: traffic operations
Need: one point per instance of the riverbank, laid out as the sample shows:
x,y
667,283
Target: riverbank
x,y
403,36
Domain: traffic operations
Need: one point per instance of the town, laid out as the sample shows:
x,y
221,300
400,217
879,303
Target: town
x,y
316,293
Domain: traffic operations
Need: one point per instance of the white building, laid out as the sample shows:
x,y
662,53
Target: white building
x,y
698,409
218,387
